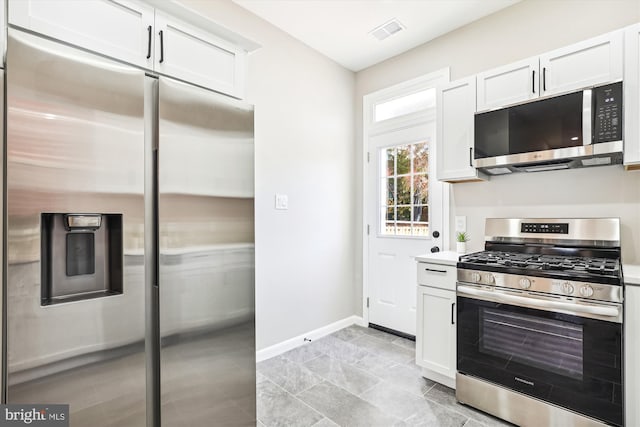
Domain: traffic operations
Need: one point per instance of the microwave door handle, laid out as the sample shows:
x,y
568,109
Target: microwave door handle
x,y
587,106
518,300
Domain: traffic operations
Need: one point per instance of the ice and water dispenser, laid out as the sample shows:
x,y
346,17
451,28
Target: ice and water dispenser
x,y
81,256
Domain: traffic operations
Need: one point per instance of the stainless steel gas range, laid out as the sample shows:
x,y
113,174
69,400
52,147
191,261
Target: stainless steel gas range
x,y
539,331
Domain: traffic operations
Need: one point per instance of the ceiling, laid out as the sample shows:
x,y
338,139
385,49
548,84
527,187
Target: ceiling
x,y
340,29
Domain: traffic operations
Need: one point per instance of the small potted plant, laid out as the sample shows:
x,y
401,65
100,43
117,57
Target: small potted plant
x,y
461,242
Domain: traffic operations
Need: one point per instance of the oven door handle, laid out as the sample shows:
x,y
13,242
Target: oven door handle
x,y
517,300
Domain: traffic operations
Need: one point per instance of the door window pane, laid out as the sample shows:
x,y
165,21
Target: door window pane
x,y
404,190
404,195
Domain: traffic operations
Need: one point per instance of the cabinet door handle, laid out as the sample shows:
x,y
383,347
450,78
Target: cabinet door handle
x,y
470,156
453,309
533,81
435,271
149,42
544,79
161,47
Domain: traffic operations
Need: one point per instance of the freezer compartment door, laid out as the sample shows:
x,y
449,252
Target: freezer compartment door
x,y
206,259
75,147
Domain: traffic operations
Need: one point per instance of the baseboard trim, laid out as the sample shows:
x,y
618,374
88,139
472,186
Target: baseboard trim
x,y
300,340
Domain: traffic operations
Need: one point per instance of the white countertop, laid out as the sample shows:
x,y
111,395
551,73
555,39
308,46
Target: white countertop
x,y
443,258
631,274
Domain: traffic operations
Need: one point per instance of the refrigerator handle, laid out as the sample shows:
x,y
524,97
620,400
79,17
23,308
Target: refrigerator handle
x,y
161,47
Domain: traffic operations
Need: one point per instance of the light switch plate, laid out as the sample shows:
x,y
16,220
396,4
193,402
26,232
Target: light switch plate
x,y
282,201
461,224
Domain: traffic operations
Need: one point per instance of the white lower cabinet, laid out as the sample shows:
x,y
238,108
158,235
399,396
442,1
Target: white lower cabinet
x,y
436,323
632,355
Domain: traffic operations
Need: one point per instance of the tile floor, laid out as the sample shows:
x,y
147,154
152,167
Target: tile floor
x,y
357,377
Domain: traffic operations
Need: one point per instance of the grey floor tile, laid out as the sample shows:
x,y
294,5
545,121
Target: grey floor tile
x,y
372,363
340,373
379,334
410,407
435,415
395,401
446,397
304,353
325,422
473,423
341,350
384,349
406,378
344,408
289,375
349,333
403,342
276,407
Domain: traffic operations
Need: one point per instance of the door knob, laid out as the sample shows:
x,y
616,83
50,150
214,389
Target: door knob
x,y
435,249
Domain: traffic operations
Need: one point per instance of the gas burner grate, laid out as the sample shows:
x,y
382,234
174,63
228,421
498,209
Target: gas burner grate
x,y
541,262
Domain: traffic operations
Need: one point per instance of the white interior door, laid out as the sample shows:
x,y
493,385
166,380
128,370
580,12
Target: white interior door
x,y
404,212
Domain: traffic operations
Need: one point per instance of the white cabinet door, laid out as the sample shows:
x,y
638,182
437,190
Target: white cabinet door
x,y
190,54
591,62
507,85
121,29
436,334
456,104
632,355
631,97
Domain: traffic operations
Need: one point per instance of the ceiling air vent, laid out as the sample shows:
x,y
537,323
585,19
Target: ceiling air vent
x,y
388,28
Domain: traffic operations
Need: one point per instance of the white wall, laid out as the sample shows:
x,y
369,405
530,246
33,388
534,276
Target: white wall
x,y
525,29
304,133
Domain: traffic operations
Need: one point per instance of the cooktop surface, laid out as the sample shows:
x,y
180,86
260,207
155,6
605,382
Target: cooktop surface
x,y
594,269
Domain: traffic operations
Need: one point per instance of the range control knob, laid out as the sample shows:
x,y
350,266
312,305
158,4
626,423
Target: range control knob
x,y
586,291
475,277
524,283
567,288
490,279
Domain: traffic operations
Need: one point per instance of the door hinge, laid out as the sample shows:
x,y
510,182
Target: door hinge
x,y
368,229
367,302
368,156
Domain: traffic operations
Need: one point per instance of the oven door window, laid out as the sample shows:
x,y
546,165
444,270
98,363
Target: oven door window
x,y
552,345
567,360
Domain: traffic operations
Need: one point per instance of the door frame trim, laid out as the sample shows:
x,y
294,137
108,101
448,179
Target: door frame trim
x,y
426,81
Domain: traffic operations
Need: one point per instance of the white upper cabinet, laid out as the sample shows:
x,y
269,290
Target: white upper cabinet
x,y
136,33
456,105
508,84
3,34
193,55
631,97
591,62
119,29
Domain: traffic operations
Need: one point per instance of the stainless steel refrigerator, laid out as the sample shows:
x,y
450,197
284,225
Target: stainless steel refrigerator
x,y
129,261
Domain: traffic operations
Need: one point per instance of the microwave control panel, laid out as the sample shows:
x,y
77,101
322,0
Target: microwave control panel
x,y
607,113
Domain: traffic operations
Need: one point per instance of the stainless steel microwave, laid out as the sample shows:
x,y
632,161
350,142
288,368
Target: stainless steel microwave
x,y
577,129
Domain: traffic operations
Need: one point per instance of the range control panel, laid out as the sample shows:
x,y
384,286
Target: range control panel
x,y
551,228
607,113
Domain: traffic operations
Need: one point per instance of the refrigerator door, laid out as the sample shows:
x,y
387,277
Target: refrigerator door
x,y
75,152
206,257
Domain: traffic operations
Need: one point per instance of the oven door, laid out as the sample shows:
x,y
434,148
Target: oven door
x,y
569,360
